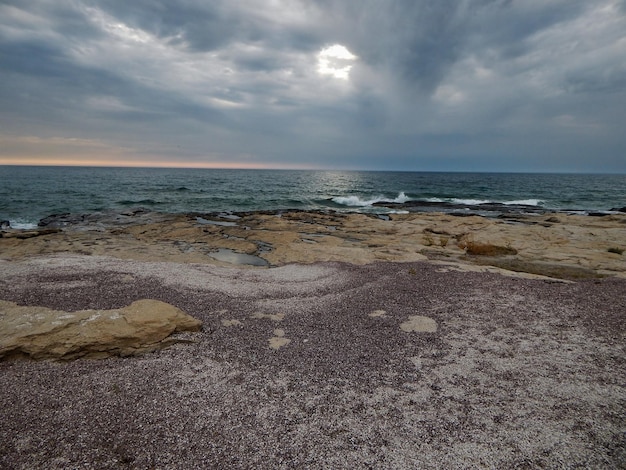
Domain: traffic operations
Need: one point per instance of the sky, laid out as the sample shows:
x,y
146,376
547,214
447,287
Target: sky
x,y
417,85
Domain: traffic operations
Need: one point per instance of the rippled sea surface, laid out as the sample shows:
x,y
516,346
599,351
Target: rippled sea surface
x,y
27,194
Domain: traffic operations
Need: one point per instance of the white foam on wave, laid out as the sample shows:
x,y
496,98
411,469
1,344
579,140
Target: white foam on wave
x,y
470,202
525,202
401,198
22,225
356,201
476,202
353,201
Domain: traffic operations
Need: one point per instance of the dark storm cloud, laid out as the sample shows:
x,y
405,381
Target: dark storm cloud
x,y
421,40
208,26
418,40
43,77
431,84
203,26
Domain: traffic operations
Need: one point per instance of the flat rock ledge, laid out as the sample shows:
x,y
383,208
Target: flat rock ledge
x,y
42,333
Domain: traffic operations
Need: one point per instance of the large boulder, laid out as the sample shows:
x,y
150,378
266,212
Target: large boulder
x,y
43,333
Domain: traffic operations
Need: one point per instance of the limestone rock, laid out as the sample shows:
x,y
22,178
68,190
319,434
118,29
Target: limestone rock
x,y
310,237
43,333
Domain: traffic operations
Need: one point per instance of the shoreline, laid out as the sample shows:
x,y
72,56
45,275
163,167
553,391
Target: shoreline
x,y
490,209
560,245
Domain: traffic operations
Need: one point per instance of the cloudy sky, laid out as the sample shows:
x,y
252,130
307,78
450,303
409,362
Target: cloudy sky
x,y
502,85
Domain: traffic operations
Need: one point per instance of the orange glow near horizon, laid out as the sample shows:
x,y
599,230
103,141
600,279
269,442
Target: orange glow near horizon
x,y
150,164
30,150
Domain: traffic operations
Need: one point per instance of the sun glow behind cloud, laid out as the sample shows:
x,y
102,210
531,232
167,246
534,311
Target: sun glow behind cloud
x,y
335,60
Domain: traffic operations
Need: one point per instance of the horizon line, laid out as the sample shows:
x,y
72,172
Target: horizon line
x,y
195,166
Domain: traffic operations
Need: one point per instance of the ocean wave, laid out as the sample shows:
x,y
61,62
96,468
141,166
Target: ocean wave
x,y
526,202
22,225
470,202
356,201
477,202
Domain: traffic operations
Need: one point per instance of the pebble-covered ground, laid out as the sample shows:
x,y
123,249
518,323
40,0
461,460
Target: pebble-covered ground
x,y
328,365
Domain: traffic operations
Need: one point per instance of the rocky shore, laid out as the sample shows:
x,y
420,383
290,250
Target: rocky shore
x,y
327,340
555,245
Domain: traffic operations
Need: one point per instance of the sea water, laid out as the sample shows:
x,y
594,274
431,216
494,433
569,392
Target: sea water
x,y
28,194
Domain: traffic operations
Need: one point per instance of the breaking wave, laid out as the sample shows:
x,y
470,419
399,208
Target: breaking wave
x,y
22,225
476,202
526,202
356,201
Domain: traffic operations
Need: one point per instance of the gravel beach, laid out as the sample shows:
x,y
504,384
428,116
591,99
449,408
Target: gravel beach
x,y
429,363
325,366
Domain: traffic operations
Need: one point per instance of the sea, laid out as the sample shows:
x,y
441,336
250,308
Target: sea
x,y
30,193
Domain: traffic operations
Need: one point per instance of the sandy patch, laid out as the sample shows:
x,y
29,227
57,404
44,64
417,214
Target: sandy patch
x,y
419,324
377,314
278,340
269,316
